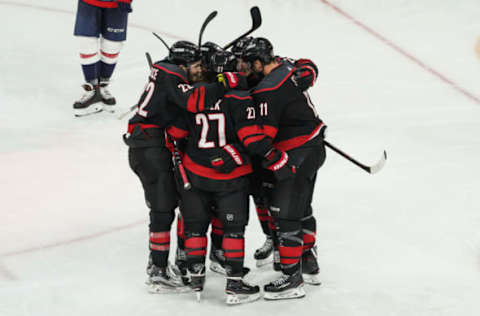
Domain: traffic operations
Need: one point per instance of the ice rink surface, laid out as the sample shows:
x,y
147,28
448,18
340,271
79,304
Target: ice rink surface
x,y
399,75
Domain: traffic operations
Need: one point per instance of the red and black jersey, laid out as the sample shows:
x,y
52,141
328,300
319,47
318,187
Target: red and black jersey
x,y
287,113
167,93
105,3
232,119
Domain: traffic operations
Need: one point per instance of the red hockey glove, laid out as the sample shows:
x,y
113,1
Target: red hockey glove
x,y
228,157
305,75
277,161
125,5
233,80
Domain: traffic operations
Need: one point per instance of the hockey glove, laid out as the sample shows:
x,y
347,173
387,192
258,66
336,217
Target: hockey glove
x,y
277,161
124,5
233,80
305,75
228,157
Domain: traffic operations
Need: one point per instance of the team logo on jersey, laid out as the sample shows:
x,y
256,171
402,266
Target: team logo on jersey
x,y
230,217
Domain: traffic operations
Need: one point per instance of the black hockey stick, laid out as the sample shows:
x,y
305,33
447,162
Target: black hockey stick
x,y
256,22
370,169
178,164
210,17
130,109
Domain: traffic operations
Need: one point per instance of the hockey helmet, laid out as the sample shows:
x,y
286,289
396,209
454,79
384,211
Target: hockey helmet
x,y
183,53
258,48
207,50
221,61
239,46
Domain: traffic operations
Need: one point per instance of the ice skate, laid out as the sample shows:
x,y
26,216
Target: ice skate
x,y
89,103
181,266
310,269
238,291
263,255
217,260
107,97
164,280
276,260
286,287
197,280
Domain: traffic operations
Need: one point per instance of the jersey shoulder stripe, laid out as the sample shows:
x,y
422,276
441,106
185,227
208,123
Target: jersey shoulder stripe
x,y
171,70
275,79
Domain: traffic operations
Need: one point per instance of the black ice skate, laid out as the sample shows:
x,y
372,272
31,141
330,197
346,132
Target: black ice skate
x,y
107,97
197,279
263,255
310,269
217,260
276,260
89,103
162,280
286,287
181,265
239,292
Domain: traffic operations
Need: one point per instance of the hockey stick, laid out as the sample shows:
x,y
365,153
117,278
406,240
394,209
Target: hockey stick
x,y
130,109
178,164
210,17
256,22
370,169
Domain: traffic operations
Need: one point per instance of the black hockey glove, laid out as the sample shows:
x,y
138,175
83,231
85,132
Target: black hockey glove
x,y
233,80
305,75
277,161
228,157
124,5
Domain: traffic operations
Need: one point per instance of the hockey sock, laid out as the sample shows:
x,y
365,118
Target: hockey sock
x,y
89,58
290,245
309,227
265,219
234,250
196,249
160,247
216,233
109,55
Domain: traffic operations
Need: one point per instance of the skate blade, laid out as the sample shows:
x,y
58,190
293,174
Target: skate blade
x,y
298,292
165,289
92,109
217,268
263,262
110,108
235,299
311,279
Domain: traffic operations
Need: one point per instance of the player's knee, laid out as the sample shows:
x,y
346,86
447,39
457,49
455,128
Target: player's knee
x,y
88,47
196,227
110,50
161,221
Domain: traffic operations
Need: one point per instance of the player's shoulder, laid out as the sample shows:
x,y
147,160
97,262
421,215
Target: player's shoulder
x,y
167,69
238,95
276,78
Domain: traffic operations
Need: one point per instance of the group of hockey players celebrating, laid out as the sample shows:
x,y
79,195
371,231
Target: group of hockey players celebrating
x,y
212,127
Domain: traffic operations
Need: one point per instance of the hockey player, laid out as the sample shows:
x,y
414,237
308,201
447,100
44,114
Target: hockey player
x,y
166,94
290,119
218,169
101,29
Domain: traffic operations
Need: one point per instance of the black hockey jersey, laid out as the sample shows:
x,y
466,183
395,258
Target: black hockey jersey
x,y
166,95
230,120
288,115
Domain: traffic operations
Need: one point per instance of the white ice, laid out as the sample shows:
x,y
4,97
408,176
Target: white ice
x,y
406,241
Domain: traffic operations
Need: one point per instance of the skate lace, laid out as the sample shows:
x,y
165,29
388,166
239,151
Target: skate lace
x,y
280,281
266,245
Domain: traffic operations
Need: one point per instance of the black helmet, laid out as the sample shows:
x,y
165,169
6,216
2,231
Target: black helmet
x,y
221,61
207,50
239,46
183,53
258,48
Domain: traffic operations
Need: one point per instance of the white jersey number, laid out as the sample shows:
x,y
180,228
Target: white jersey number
x,y
203,120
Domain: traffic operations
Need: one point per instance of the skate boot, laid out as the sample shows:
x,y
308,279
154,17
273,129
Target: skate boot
x,y
276,260
217,260
89,103
181,265
197,279
161,279
107,97
286,287
238,291
263,255
310,269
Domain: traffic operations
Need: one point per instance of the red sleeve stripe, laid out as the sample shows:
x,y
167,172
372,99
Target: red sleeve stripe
x,y
237,97
142,126
278,85
252,139
192,101
211,173
248,131
270,131
288,144
171,72
201,101
177,133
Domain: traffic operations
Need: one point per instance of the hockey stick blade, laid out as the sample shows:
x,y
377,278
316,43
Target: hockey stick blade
x,y
256,22
210,17
370,169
